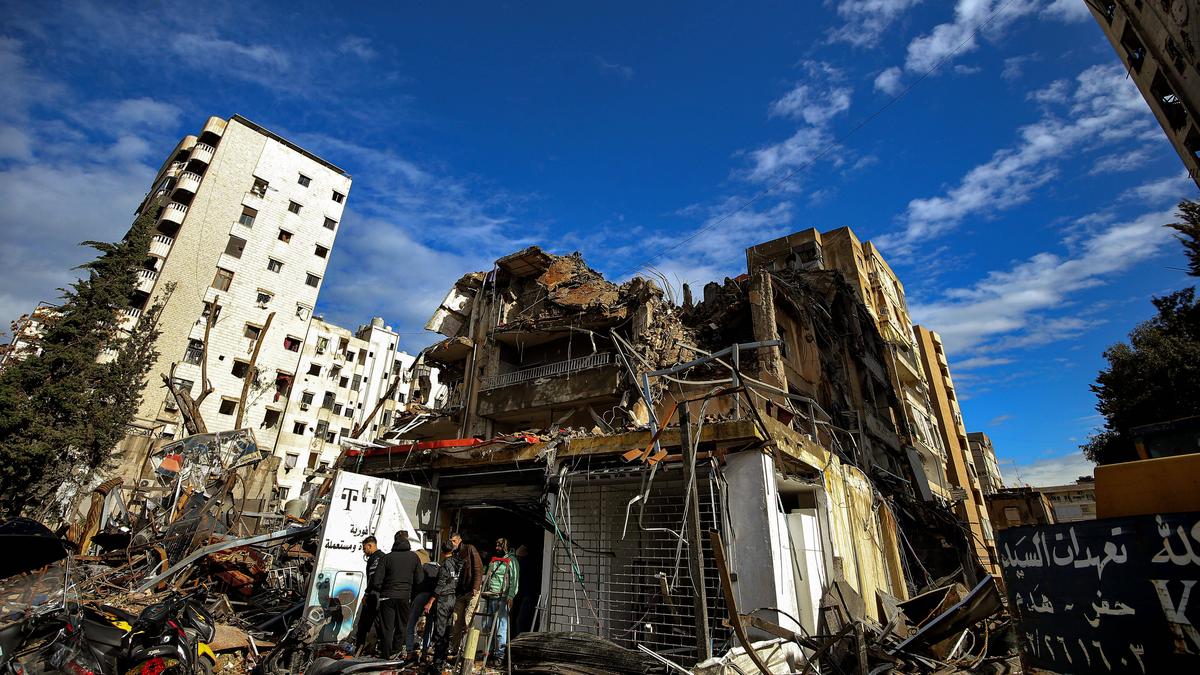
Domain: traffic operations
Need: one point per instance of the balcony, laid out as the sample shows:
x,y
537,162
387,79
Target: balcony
x,y
548,370
129,318
188,181
175,169
160,245
203,152
174,212
214,126
908,366
146,279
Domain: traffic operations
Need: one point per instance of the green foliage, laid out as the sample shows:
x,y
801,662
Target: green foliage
x,y
1189,234
63,412
1153,378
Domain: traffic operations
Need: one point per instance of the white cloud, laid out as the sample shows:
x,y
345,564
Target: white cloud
x,y
960,34
864,21
889,81
812,104
1104,108
1058,470
815,103
961,69
1120,162
209,50
998,420
611,68
1070,11
1170,188
359,46
1009,308
1014,66
977,362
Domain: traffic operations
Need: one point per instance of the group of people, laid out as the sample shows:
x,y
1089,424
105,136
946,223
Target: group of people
x,y
404,585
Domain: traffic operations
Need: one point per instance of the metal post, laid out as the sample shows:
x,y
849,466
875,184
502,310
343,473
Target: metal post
x,y
737,381
695,547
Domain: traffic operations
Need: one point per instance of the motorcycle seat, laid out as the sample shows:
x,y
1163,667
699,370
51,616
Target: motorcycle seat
x,y
327,666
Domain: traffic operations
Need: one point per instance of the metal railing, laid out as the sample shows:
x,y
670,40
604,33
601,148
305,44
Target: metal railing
x,y
548,370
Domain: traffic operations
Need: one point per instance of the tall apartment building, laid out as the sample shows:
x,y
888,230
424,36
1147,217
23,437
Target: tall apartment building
x,y
986,464
343,376
1159,43
1072,502
864,267
247,225
969,500
27,332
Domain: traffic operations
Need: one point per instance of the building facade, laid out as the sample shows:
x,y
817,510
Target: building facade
x,y
880,290
960,470
1157,43
27,332
1019,506
349,387
986,464
1072,502
246,226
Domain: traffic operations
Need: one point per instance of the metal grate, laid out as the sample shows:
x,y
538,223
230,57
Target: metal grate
x,y
622,576
548,370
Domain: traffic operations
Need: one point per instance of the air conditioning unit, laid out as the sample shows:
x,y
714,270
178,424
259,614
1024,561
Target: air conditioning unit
x,y
304,406
145,484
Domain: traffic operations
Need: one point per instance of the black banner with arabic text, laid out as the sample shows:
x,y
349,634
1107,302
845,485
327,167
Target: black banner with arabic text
x,y
1106,596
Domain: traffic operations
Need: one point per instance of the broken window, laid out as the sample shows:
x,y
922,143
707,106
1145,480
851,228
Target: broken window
x,y
270,419
314,369
1172,108
248,216
293,207
306,398
182,384
327,401
304,180
322,428
228,406
298,428
223,279
274,265
259,189
251,331
1134,50
194,353
285,236
330,224
322,345
264,298
235,246
337,408
208,308
312,280
240,368
338,197
322,252
292,344
283,385
1192,143
292,458
343,382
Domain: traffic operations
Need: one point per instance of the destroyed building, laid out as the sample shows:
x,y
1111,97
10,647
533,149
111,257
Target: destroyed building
x,y
607,429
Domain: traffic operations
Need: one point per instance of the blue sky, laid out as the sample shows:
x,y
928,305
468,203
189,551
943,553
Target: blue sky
x,y
1018,187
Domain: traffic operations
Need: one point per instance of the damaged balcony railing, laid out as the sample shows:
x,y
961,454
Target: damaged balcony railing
x,y
548,370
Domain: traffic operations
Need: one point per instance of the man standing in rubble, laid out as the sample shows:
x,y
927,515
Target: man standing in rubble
x,y
467,592
500,587
369,613
398,573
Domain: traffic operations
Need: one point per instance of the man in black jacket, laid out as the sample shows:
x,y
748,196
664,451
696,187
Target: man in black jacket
x,y
370,605
399,572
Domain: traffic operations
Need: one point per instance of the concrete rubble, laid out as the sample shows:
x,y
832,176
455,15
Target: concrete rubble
x,y
713,486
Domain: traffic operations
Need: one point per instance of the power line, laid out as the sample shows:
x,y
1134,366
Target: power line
x,y
832,144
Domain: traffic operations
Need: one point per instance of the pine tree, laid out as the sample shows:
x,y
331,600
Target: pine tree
x,y
63,412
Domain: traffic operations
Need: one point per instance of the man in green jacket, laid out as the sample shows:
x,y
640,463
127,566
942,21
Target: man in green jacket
x,y
500,587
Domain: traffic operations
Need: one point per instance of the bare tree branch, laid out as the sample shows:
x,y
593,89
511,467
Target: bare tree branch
x,y
250,371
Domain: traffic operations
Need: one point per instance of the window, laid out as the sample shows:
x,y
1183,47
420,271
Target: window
x,y
312,280
270,419
285,236
330,224
338,197
264,298
208,308
322,252
292,458
194,353
337,408
251,331
345,432
303,311
343,344
283,385
357,382
228,406
292,344
293,207
330,437
274,265
235,246
322,345
240,368
327,401
350,356
248,216
259,189
306,398
343,382
304,180
314,369
223,279
387,415
298,428
322,428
